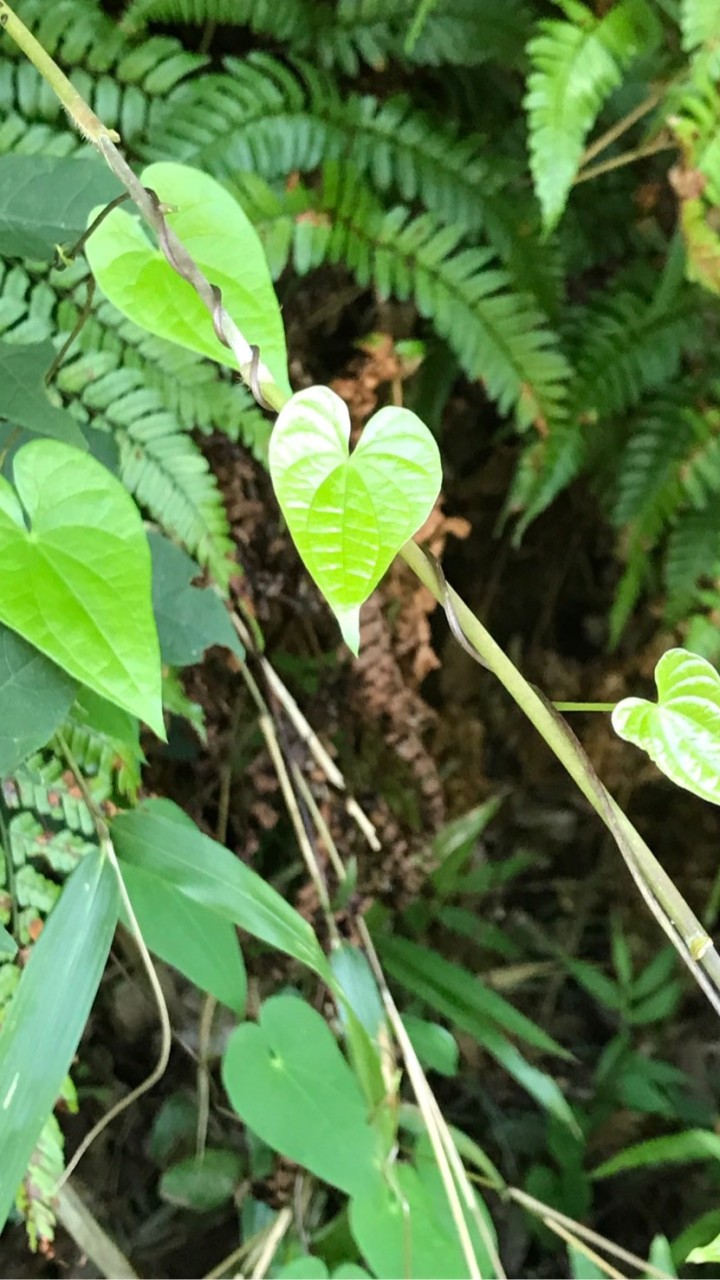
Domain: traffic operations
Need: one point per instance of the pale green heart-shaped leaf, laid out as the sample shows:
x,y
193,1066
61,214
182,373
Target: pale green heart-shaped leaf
x,y
681,731
350,513
219,236
76,582
288,1081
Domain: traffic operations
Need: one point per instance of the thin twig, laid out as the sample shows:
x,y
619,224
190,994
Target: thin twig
x,y
663,143
621,126
544,1211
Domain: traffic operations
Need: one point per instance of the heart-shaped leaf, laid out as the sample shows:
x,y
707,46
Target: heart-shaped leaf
x,y
350,513
681,731
76,583
288,1080
219,236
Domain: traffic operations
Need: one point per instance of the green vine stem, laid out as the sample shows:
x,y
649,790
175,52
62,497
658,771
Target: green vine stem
x,y
662,897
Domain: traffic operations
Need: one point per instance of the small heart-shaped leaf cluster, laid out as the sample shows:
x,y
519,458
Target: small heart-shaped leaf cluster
x,y
350,513
681,731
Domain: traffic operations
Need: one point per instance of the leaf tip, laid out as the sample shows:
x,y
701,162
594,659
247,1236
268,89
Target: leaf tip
x,y
348,621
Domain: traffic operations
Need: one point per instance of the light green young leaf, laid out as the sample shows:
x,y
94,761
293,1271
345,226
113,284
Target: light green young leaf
x,y
705,1252
159,838
45,201
350,513
35,697
23,396
287,1079
700,22
76,583
188,936
189,619
681,731
48,1013
575,67
218,235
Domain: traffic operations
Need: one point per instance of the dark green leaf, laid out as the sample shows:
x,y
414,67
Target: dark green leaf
x,y
23,396
45,200
159,838
48,1012
35,697
188,936
287,1079
457,994
202,1184
189,619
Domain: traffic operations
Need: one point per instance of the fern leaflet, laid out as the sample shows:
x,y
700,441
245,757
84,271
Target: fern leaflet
x,y
575,67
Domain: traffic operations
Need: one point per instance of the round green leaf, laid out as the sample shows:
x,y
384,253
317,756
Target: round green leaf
x,y
75,575
681,731
287,1079
219,236
350,513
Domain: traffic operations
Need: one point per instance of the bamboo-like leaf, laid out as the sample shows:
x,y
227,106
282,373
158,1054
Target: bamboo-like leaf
x,y
48,1013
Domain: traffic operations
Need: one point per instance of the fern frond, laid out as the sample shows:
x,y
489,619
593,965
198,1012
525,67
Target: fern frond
x,y
281,19
36,1197
269,119
119,80
456,32
699,22
545,469
498,336
459,32
693,552
163,469
575,67
648,470
43,785
58,848
631,346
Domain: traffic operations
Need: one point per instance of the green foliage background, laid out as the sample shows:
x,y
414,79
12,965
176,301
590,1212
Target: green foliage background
x,y
445,156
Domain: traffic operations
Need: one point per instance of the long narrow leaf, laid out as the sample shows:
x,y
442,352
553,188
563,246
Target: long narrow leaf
x,y
159,838
48,1013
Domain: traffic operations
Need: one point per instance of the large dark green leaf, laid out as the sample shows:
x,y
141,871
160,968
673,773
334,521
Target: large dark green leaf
x,y
45,200
189,619
188,936
159,838
288,1081
48,1012
35,697
23,397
